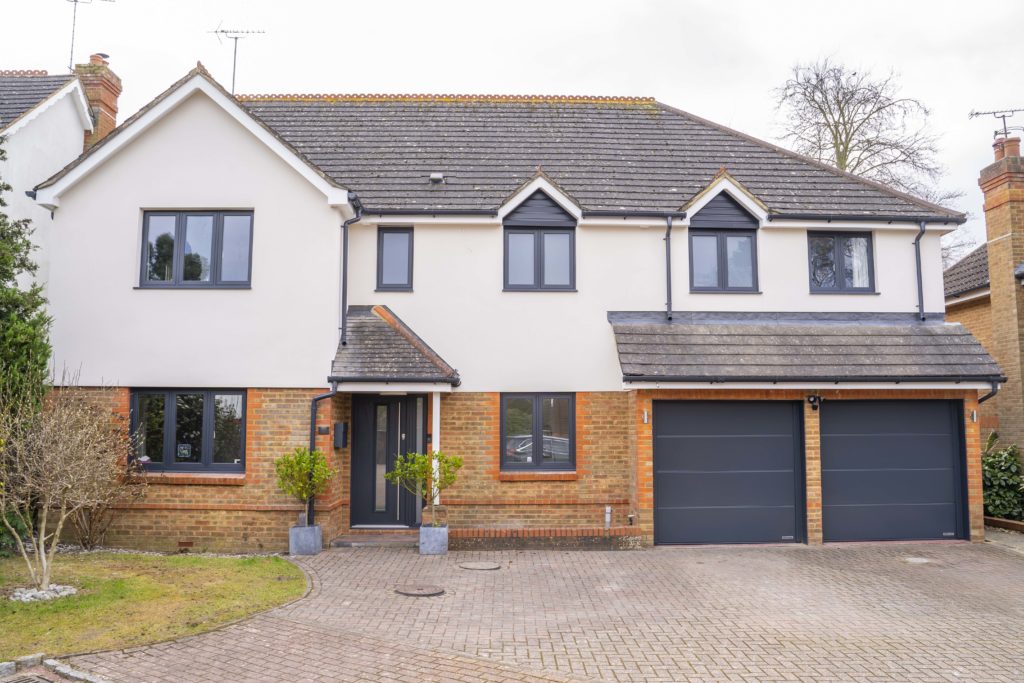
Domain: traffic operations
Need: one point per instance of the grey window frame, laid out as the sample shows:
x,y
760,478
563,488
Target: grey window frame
x,y
723,262
538,463
178,281
841,287
381,231
170,420
538,259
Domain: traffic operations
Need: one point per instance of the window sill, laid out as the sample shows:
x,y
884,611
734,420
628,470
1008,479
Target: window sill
x,y
725,291
844,293
407,290
196,288
195,478
545,291
539,476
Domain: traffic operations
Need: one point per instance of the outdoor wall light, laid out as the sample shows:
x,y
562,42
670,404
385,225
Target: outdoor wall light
x,y
814,401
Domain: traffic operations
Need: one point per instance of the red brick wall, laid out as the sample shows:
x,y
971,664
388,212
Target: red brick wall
x,y
976,316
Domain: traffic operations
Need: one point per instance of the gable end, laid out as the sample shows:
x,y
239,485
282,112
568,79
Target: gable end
x,y
539,211
723,212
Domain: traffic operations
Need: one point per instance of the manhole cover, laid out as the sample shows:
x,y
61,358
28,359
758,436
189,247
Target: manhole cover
x,y
420,591
917,560
481,566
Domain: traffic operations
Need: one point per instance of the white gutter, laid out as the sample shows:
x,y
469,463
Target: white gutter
x,y
846,386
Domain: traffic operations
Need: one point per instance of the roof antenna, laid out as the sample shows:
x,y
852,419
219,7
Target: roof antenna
x,y
999,114
74,24
234,34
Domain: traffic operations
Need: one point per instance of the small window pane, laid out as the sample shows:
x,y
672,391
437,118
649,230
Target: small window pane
x,y
198,248
521,269
395,259
188,429
739,255
160,249
856,264
227,428
823,267
557,259
380,460
705,260
518,420
235,249
151,428
554,425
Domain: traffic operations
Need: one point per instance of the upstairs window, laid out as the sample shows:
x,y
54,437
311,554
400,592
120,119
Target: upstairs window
x,y
197,249
840,262
190,429
394,259
540,246
723,247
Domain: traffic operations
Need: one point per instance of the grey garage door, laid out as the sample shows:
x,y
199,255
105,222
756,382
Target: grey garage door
x,y
727,472
891,470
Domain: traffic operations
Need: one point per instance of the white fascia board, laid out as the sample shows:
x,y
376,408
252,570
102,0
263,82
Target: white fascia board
x,y
853,225
73,89
430,219
980,293
393,387
539,183
849,386
723,184
49,197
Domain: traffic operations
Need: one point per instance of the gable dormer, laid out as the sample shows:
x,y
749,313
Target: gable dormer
x,y
539,210
724,212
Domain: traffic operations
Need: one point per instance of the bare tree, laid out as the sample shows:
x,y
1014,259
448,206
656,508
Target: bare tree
x,y
860,123
70,456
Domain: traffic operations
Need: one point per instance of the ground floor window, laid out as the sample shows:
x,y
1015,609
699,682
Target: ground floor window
x,y
538,431
190,429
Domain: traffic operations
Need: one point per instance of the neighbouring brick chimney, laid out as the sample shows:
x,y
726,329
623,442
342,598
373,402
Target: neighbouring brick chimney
x,y
102,88
1002,183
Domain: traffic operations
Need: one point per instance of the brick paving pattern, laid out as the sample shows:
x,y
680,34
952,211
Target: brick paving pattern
x,y
788,613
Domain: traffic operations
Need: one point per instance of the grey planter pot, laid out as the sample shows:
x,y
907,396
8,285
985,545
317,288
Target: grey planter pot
x,y
433,540
305,540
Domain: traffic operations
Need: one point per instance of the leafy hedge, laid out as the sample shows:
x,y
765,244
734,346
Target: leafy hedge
x,y
1004,484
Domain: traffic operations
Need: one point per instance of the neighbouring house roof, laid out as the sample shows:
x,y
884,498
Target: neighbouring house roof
x,y
967,274
607,153
381,348
791,347
22,91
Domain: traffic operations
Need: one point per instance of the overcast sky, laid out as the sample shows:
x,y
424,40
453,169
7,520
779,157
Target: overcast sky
x,y
719,60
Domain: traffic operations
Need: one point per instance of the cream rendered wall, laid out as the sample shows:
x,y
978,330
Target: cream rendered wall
x,y
35,151
280,333
561,341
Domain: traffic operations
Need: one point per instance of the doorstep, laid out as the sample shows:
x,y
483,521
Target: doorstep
x,y
368,539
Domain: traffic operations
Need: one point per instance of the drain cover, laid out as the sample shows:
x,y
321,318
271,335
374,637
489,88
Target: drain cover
x,y
917,560
419,590
481,566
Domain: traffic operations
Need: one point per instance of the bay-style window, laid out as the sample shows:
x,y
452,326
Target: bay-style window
x,y
188,249
538,431
840,262
723,260
191,430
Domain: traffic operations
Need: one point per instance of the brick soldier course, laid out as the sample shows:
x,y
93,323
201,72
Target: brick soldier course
x,y
770,613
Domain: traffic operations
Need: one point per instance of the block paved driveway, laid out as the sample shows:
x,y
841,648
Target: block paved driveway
x,y
793,613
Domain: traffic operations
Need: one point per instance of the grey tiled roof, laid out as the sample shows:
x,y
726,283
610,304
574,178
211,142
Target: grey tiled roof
x,y
19,94
970,272
382,348
731,347
609,154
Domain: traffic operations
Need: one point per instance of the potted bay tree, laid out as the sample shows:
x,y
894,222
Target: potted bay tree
x,y
304,474
427,475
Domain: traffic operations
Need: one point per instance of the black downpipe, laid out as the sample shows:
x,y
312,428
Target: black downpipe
x,y
358,206
668,267
917,257
310,504
995,390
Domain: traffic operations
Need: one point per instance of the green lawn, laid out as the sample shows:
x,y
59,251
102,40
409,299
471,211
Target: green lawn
x,y
127,600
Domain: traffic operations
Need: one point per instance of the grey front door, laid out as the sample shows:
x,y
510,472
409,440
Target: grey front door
x,y
728,472
383,427
892,470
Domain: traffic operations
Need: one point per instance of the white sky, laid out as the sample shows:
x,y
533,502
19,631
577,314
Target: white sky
x,y
716,59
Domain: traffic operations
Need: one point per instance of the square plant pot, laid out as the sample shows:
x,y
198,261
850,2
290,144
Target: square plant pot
x,y
433,540
305,540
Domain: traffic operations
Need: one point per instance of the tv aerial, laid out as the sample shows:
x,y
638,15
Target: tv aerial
x,y
74,24
235,35
1000,114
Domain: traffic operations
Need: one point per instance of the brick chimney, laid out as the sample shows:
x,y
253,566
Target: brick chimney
x,y
102,88
1002,183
